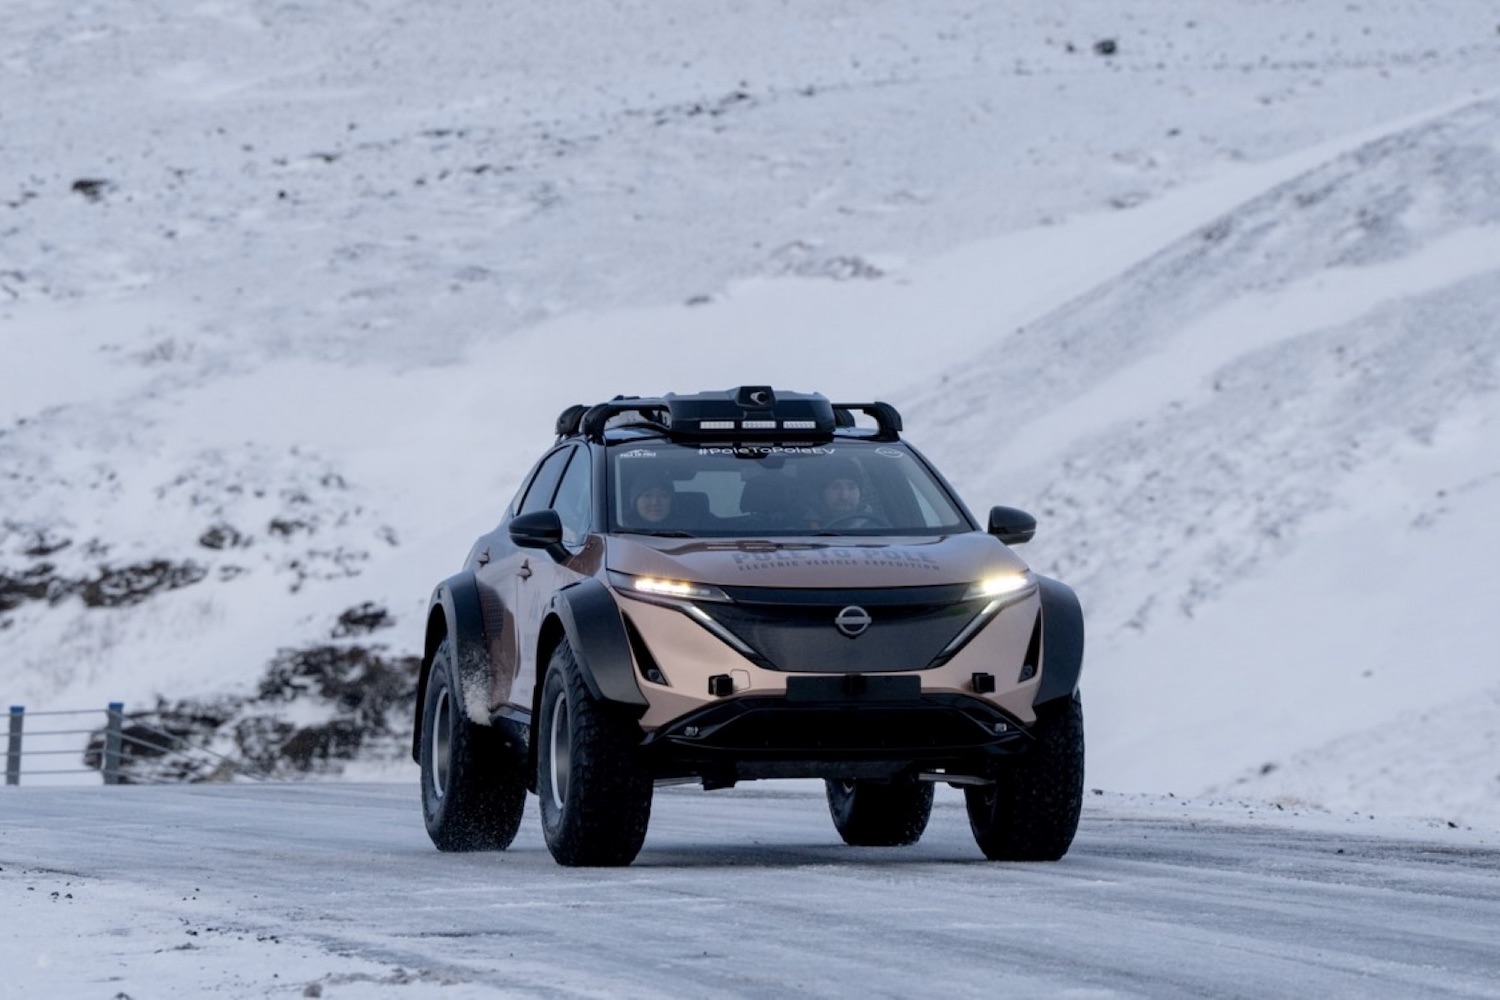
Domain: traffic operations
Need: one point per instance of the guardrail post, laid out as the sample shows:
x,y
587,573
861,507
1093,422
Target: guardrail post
x,y
112,731
13,748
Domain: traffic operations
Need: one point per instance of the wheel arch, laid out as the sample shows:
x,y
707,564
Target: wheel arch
x,y
586,617
1062,642
585,613
453,612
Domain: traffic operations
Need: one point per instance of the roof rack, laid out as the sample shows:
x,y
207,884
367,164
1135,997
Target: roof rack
x,y
753,413
887,420
653,412
567,420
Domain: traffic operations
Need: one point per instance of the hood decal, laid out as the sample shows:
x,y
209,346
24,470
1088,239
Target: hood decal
x,y
863,557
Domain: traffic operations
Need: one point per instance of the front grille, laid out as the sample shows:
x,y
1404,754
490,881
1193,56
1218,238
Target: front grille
x,y
793,630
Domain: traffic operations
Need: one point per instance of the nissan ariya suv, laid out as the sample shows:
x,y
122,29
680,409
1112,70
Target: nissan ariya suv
x,y
728,586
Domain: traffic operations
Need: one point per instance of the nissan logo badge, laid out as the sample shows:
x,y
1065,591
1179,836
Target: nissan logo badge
x,y
852,620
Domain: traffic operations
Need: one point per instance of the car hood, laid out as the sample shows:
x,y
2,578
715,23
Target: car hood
x,y
814,562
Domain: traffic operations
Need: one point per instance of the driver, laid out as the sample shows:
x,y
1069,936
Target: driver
x,y
841,498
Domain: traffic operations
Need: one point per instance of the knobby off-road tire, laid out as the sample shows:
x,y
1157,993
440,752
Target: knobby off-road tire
x,y
1031,812
594,787
473,779
879,814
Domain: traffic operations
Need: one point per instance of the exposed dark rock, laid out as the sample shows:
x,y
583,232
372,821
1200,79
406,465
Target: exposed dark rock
x,y
362,620
222,536
122,586
162,745
1106,47
44,545
314,745
364,696
92,188
286,527
39,583
115,586
354,678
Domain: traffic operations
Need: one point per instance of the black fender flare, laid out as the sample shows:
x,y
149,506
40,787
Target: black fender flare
x,y
591,621
453,612
1062,642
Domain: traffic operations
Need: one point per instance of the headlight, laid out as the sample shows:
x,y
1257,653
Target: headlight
x,y
653,587
681,595
1002,585
1001,591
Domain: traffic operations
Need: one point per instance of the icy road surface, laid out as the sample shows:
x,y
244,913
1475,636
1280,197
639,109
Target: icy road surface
x,y
334,891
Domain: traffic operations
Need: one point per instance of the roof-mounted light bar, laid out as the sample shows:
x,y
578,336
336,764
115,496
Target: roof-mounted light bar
x,y
751,413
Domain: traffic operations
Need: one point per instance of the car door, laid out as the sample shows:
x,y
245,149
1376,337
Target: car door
x,y
541,576
499,567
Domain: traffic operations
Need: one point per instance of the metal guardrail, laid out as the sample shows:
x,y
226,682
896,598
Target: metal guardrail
x,y
126,756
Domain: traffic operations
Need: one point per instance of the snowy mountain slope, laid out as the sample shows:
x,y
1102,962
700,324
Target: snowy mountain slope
x,y
477,167
1252,452
289,298
1320,327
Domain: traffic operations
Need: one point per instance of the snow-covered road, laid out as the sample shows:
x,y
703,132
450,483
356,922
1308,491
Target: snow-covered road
x,y
333,890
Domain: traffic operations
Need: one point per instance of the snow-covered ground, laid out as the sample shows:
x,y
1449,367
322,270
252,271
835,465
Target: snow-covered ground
x,y
291,294
333,890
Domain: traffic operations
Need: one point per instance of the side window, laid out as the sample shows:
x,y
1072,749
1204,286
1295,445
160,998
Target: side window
x,y
544,483
573,499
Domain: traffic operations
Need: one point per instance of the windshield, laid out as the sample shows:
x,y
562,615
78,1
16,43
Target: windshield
x,y
842,488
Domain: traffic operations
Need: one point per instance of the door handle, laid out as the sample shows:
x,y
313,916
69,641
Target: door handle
x,y
483,558
525,571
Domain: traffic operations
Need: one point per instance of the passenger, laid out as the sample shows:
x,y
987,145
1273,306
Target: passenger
x,y
652,499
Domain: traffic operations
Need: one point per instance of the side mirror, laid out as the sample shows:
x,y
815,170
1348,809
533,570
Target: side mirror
x,y
539,529
1011,526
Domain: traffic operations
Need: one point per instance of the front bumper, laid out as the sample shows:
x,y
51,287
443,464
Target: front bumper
x,y
833,727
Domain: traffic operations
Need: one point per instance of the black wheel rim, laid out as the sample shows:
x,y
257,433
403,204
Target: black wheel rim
x,y
441,750
559,753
